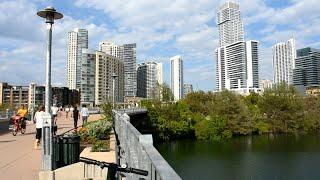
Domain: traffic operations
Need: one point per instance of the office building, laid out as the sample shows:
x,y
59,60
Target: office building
x,y
237,66
176,69
187,88
77,40
106,65
88,77
306,73
149,77
284,54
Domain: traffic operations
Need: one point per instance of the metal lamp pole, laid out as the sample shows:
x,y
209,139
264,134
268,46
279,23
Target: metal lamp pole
x,y
50,14
114,75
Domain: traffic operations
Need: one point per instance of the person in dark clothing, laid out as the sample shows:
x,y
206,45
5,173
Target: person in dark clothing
x,y
76,116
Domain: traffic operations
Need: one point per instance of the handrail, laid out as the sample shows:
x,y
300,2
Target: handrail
x,y
137,150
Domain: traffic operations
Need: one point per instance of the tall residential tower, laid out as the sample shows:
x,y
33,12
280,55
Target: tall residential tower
x,y
77,40
284,54
176,77
127,54
237,66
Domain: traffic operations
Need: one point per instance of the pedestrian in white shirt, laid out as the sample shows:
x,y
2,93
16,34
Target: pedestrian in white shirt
x,y
67,111
84,114
54,110
71,111
38,119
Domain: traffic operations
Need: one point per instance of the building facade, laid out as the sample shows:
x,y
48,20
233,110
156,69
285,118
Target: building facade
x,y
149,77
176,70
77,40
284,54
36,96
237,66
306,73
88,77
230,24
106,65
12,95
187,88
265,84
127,54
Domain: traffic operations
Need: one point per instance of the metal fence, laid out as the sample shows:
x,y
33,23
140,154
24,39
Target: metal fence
x,y
137,151
5,115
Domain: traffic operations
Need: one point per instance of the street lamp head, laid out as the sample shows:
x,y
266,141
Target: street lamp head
x,y
50,14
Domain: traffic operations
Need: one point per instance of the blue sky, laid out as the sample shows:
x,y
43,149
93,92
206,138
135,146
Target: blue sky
x,y
161,29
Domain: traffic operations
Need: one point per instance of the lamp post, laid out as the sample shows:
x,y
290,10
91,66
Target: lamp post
x,y
50,14
114,76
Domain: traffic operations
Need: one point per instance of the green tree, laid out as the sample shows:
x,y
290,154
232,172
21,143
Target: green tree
x,y
282,108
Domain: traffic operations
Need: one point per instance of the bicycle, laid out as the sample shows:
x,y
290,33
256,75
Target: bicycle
x,y
113,168
19,124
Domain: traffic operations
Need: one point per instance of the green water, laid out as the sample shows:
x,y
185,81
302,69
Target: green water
x,y
258,157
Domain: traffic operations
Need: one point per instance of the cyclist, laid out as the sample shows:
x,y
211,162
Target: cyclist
x,y
22,112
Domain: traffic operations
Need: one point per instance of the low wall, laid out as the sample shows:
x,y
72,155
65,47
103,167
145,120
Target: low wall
x,y
137,150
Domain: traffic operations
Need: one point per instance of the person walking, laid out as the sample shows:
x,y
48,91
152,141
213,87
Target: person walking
x,y
67,111
84,114
38,119
71,111
76,116
54,110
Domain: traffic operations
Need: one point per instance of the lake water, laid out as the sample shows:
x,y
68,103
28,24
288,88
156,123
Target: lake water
x,y
257,157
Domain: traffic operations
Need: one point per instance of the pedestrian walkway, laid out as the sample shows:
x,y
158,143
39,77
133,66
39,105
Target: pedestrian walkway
x,y
18,159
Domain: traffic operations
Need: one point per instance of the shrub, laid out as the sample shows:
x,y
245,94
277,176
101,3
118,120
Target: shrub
x,y
101,146
96,130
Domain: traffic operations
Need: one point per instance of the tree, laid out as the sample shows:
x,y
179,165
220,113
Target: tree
x,y
282,108
167,95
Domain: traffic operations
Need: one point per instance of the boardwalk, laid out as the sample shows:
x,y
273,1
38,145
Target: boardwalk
x,y
18,159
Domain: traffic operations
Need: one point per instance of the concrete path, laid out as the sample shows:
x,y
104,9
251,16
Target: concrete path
x,y
18,159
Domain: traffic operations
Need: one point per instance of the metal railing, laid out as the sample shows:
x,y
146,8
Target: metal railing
x,y
137,150
5,115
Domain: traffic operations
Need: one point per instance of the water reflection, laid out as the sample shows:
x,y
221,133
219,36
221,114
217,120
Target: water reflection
x,y
256,157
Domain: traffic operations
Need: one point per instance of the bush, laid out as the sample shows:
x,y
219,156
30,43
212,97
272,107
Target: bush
x,y
101,146
96,130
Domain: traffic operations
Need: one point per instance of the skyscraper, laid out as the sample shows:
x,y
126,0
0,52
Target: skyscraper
x,y
176,77
77,40
284,54
237,67
149,75
127,54
230,24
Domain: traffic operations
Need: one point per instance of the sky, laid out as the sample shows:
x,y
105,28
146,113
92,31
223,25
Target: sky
x,y
161,29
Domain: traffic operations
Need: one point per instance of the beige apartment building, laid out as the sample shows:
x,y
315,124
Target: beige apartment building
x,y
13,95
105,66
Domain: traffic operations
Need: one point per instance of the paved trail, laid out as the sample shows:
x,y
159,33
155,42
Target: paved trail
x,y
18,159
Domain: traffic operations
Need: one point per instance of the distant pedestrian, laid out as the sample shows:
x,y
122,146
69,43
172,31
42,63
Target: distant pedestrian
x,y
67,111
84,114
76,116
54,110
71,111
38,119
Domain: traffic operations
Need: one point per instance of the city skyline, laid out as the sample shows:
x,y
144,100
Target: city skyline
x,y
193,34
